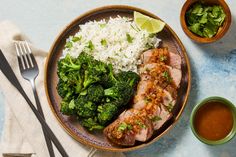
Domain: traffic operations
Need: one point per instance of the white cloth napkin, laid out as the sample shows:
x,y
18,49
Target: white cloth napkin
x,y
22,132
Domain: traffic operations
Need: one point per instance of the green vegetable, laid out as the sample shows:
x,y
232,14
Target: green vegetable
x,y
128,76
67,108
156,118
120,92
92,124
90,46
129,38
75,39
123,126
68,45
107,111
163,58
205,20
170,107
140,124
167,76
104,42
95,93
102,25
92,91
84,107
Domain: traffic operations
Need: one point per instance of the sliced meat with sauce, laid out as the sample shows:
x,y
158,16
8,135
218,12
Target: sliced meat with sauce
x,y
129,127
157,55
145,131
161,55
143,87
168,100
154,99
117,137
162,73
176,75
160,116
174,60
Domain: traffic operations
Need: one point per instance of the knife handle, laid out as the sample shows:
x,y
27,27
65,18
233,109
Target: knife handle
x,y
8,72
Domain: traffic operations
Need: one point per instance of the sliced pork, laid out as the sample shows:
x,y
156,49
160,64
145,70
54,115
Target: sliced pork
x,y
131,125
154,100
159,117
161,55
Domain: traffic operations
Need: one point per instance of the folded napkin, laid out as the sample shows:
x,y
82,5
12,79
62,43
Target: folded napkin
x,y
22,132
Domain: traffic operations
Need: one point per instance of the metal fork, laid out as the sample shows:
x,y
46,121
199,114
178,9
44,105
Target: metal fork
x,y
29,71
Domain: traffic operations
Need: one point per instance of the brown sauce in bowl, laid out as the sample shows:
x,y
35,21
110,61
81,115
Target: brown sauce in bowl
x,y
213,121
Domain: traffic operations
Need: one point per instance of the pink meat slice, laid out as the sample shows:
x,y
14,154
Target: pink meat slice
x,y
143,87
146,132
146,56
168,99
127,140
176,75
161,116
174,60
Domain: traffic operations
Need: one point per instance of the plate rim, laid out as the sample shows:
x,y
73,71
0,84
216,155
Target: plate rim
x,y
49,56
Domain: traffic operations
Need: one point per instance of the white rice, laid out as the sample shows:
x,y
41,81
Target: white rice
x,y
118,49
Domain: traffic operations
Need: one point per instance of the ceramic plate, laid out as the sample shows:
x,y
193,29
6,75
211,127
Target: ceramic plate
x,y
71,125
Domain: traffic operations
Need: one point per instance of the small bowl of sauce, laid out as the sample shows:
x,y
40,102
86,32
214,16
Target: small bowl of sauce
x,y
213,121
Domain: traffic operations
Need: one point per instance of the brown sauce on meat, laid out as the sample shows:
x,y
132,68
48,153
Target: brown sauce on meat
x,y
213,121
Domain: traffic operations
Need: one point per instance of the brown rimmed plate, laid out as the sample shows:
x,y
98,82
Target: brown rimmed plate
x,y
71,125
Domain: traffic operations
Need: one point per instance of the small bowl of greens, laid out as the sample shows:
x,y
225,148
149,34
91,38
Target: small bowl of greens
x,y
205,21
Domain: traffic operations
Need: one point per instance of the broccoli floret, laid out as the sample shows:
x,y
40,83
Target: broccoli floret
x,y
84,59
68,108
85,108
66,92
90,77
91,124
62,88
95,93
108,80
67,65
120,92
130,77
94,72
107,112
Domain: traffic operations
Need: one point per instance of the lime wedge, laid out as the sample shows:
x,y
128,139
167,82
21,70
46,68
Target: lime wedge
x,y
149,24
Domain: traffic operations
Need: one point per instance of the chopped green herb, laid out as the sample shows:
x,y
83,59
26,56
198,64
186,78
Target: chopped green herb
x,y
152,35
140,124
90,45
167,76
72,104
83,92
102,25
68,45
170,107
75,39
149,45
123,126
205,20
104,42
163,58
129,127
156,118
129,38
147,100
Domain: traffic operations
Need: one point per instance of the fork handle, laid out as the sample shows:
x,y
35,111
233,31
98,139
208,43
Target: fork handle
x,y
39,107
10,75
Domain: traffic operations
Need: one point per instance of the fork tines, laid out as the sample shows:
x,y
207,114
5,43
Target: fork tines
x,y
24,54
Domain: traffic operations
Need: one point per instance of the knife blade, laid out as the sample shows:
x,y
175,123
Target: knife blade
x,y
10,75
